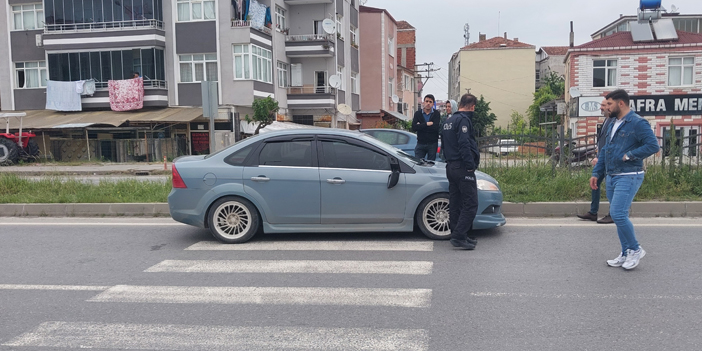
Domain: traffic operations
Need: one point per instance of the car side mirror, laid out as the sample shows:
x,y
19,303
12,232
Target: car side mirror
x,y
393,178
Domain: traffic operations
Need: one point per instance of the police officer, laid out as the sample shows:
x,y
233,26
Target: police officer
x,y
462,158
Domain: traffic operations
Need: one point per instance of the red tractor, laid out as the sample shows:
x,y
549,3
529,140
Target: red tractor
x,y
15,147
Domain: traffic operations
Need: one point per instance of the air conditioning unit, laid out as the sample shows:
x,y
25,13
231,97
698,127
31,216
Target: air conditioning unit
x,y
38,40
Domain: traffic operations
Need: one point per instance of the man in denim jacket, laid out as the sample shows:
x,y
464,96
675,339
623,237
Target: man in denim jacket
x,y
630,140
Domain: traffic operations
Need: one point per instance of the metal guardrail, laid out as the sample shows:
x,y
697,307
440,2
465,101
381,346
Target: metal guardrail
x,y
148,84
247,24
310,37
102,26
310,90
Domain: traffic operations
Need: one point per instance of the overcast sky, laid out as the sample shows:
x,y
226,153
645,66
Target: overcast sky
x,y
440,24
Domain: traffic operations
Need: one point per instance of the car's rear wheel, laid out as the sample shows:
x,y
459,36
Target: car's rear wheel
x,y
433,217
233,220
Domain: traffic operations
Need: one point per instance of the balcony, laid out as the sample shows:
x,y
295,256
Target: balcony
x,y
311,97
247,24
307,2
103,26
309,45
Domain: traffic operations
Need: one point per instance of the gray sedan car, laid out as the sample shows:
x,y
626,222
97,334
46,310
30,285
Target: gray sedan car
x,y
318,180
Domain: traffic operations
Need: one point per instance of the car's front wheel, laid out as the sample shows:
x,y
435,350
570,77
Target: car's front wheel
x,y
433,217
233,220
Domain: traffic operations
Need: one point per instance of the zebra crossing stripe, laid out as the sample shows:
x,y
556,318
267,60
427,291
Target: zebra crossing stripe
x,y
413,298
292,266
316,246
77,335
53,287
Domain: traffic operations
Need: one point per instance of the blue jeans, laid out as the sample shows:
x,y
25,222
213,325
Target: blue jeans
x,y
595,204
621,190
426,151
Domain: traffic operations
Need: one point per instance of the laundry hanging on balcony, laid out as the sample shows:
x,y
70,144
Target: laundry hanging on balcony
x,y
237,9
62,96
269,20
257,12
127,94
88,87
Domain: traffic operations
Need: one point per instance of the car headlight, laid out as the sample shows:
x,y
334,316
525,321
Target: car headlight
x,y
486,185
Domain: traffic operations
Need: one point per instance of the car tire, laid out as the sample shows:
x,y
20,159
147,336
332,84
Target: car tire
x,y
432,217
233,220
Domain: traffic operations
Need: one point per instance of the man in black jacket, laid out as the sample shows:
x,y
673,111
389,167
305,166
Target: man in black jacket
x,y
462,158
426,124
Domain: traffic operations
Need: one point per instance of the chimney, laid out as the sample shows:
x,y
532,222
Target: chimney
x,y
505,35
516,39
572,35
482,37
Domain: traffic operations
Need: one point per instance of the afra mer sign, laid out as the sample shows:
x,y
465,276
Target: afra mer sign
x,y
666,105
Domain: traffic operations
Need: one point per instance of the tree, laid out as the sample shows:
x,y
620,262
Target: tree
x,y
553,88
265,111
482,117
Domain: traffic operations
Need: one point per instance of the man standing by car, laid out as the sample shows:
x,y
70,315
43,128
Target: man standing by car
x,y
629,142
596,193
462,158
426,124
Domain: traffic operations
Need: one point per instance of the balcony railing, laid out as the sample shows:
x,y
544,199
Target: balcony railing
x,y
103,26
243,24
148,84
310,90
310,37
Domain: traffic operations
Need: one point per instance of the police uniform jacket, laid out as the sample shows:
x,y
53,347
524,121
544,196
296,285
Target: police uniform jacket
x,y
458,140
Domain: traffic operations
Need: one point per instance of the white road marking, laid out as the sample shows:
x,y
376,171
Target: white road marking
x,y
96,224
77,335
290,266
53,287
316,246
267,296
588,296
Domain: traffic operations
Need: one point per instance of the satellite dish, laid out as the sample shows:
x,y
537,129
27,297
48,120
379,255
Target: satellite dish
x,y
335,81
329,26
673,9
344,109
395,99
574,92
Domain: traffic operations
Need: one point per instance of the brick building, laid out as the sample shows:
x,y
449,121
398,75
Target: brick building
x,y
664,79
406,60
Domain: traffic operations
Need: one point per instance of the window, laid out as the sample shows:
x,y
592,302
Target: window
x,y
391,47
339,26
253,62
238,158
280,18
340,73
681,71
408,83
338,154
26,17
282,75
354,36
538,75
391,87
354,83
604,73
31,74
288,153
392,138
195,10
242,62
71,14
198,68
106,65
304,119
686,25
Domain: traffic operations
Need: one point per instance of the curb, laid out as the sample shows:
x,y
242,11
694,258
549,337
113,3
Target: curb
x,y
509,209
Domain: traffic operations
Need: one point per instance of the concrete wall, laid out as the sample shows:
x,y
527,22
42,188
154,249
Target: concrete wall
x,y
505,77
378,63
196,37
24,46
301,17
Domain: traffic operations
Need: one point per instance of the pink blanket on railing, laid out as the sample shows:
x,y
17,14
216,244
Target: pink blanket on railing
x,y
126,95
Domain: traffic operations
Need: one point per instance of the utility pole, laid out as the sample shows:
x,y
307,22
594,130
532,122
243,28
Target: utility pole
x,y
429,70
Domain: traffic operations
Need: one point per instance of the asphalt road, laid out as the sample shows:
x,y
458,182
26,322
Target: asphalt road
x,y
153,284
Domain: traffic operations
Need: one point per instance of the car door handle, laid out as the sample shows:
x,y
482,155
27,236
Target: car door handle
x,y
260,179
336,180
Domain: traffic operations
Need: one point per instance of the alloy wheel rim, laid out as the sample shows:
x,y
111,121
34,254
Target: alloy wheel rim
x,y
232,220
436,217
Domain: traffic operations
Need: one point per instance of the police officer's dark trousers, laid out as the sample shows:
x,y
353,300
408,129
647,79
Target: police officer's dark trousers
x,y
463,199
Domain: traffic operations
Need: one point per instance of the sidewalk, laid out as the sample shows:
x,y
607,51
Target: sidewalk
x,y
539,209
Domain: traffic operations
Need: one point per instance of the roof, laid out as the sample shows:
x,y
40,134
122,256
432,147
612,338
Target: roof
x,y
404,25
46,119
624,39
555,50
634,17
496,43
396,115
368,9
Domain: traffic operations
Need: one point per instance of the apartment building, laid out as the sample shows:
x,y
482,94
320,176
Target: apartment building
x,y
285,49
550,59
406,73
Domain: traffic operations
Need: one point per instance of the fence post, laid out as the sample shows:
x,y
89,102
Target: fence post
x,y
561,140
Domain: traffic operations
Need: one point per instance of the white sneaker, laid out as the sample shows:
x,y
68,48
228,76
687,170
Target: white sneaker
x,y
633,258
617,262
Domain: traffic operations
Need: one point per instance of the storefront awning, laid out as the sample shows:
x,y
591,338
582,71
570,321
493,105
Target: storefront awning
x,y
397,115
48,119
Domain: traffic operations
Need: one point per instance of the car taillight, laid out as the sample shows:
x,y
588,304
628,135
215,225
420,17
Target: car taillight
x,y
177,180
